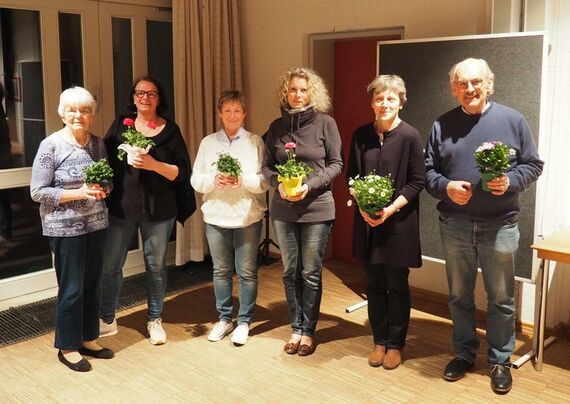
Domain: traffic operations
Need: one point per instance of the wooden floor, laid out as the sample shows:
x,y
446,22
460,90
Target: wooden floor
x,y
189,368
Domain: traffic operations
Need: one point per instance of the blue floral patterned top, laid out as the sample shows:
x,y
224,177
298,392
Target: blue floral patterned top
x,y
59,165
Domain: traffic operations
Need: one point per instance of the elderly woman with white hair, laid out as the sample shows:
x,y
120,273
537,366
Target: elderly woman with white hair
x,y
74,218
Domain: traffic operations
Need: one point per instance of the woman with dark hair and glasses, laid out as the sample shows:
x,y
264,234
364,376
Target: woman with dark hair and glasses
x,y
144,197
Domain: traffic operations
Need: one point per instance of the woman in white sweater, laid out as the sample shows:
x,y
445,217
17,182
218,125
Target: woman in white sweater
x,y
233,206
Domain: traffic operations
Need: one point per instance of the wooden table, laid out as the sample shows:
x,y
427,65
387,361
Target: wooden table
x,y
552,248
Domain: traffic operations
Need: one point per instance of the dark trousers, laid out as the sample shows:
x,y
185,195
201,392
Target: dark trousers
x,y
78,265
389,304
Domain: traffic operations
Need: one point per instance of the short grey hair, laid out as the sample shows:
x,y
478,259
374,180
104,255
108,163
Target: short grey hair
x,y
76,97
388,82
489,79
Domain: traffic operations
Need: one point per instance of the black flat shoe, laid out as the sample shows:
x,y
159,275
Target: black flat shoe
x,y
456,369
103,353
501,379
82,366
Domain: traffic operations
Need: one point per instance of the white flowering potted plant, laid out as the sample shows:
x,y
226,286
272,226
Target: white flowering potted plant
x,y
135,142
371,192
292,172
492,159
227,165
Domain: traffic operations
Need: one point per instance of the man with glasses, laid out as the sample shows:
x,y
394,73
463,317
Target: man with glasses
x,y
479,228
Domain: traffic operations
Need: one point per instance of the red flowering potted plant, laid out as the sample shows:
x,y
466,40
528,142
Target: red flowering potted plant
x,y
135,142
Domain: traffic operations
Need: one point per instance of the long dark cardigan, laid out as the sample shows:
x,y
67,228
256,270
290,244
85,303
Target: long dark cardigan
x,y
396,242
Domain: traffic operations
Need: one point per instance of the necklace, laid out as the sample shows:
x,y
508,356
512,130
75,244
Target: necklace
x,y
150,125
72,139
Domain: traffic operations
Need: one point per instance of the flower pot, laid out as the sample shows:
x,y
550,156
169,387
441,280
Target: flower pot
x,y
292,186
132,151
371,211
485,178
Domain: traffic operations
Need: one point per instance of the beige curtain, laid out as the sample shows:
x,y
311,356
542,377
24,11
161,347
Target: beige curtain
x,y
207,61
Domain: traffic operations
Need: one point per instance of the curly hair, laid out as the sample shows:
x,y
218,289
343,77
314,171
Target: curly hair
x,y
318,95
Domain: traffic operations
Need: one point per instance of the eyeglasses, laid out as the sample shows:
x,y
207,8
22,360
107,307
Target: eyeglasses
x,y
464,84
141,93
83,111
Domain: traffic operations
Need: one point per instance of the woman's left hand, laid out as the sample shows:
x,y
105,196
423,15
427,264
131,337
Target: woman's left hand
x,y
300,195
382,214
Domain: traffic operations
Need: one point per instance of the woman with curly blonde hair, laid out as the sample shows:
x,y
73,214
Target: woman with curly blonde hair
x,y
303,222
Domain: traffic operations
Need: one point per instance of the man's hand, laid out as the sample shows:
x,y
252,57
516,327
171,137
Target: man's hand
x,y
499,185
459,192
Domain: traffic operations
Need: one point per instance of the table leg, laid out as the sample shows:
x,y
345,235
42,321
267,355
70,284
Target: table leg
x,y
540,345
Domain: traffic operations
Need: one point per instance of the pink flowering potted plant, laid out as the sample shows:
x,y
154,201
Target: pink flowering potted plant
x,y
492,159
135,142
292,172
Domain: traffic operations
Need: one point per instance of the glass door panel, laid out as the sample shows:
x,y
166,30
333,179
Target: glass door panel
x,y
70,50
21,79
122,63
160,57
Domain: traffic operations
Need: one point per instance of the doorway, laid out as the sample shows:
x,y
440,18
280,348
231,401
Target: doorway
x,y
347,61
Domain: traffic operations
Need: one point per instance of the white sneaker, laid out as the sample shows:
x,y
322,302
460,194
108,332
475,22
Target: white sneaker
x,y
220,330
106,330
239,336
156,332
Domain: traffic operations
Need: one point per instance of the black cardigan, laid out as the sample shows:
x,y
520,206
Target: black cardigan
x,y
396,242
143,194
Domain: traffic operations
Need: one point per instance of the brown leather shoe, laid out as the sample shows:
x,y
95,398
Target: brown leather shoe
x,y
292,347
392,359
306,350
376,357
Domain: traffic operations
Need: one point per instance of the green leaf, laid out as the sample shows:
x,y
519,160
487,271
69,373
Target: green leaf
x,y
98,173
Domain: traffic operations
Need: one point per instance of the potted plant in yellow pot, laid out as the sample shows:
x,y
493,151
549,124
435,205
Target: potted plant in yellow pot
x,y
292,172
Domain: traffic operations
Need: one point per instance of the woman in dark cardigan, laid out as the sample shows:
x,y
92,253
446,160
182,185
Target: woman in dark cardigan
x,y
145,197
389,244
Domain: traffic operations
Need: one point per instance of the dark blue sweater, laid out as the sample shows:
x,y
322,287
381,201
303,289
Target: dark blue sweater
x,y
449,156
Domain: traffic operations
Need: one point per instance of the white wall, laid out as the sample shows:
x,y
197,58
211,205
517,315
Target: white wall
x,y
275,35
275,38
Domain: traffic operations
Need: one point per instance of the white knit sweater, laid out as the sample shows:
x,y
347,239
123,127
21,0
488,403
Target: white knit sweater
x,y
231,207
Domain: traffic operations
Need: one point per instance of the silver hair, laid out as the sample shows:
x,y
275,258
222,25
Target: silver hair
x,y
76,97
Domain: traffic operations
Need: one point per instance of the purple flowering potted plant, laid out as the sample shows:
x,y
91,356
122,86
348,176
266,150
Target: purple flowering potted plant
x,y
492,159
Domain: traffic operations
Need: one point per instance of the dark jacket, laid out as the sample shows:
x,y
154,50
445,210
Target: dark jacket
x,y
143,194
396,242
319,145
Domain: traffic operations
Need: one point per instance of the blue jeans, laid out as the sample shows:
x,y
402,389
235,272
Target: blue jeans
x,y
234,249
78,262
302,248
468,244
120,233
